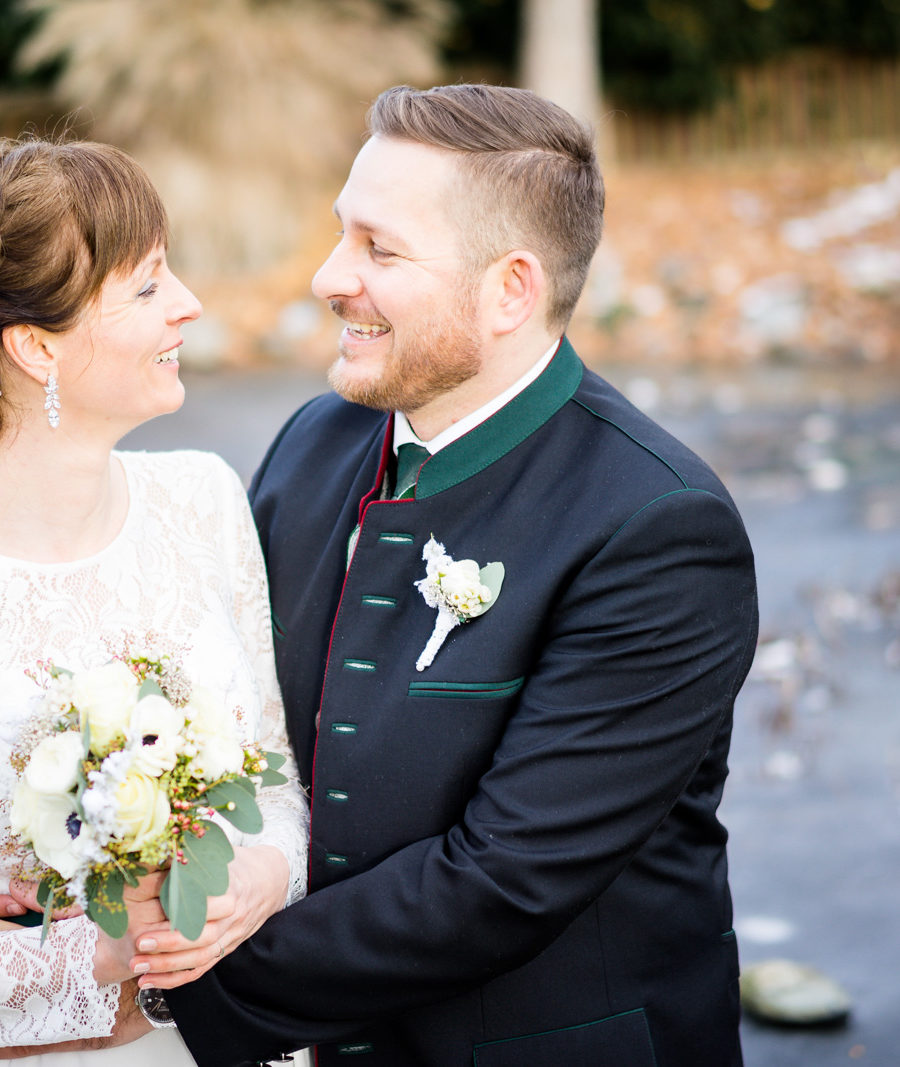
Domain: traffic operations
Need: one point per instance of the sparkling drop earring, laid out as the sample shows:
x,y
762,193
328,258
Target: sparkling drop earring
x,y
51,404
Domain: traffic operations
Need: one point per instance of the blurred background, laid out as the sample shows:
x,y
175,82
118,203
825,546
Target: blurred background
x,y
746,294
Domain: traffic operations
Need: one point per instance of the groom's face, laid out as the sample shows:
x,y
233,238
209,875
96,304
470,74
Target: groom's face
x,y
412,326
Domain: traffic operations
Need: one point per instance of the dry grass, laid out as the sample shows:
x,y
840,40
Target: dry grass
x,y
241,110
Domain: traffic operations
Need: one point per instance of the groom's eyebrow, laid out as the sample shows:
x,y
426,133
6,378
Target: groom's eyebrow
x,y
371,229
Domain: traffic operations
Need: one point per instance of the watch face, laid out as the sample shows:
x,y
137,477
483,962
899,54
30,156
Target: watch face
x,y
152,1003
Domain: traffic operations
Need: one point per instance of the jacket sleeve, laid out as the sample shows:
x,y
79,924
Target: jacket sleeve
x,y
627,706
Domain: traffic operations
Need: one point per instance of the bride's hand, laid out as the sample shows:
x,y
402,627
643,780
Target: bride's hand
x,y
257,887
10,906
130,1024
24,894
112,957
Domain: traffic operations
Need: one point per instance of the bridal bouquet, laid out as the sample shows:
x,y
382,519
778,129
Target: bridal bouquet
x,y
121,772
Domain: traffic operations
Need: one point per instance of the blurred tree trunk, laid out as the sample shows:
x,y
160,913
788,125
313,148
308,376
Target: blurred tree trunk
x,y
560,59
559,53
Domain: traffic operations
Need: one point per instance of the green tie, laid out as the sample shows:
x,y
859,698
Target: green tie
x,y
410,458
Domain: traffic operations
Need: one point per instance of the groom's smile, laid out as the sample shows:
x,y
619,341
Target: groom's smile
x,y
397,280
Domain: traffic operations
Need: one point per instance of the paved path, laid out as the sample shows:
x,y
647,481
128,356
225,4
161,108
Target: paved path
x,y
812,802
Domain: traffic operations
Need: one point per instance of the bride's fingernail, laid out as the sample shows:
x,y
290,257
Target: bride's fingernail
x,y
15,909
148,944
141,968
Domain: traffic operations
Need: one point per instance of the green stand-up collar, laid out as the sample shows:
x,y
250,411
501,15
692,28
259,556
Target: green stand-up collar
x,y
496,436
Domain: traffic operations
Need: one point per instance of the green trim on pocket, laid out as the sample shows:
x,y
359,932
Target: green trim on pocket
x,y
380,601
358,1049
343,727
482,1050
466,690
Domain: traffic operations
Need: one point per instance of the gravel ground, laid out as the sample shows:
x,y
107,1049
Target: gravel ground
x,y
814,463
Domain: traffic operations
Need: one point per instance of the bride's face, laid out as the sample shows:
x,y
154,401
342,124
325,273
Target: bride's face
x,y
119,366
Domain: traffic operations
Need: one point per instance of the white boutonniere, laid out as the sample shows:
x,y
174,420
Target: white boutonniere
x,y
459,589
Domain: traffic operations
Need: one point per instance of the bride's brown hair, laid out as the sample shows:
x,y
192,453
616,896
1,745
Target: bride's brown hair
x,y
71,214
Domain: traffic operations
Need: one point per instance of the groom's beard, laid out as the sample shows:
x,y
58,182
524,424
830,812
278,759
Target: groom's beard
x,y
437,355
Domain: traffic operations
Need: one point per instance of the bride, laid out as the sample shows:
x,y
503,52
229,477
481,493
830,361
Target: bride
x,y
99,548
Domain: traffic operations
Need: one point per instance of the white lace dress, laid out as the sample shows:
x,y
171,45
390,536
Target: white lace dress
x,y
185,574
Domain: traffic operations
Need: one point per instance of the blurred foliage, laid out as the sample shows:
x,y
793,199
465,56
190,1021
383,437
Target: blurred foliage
x,y
679,55
16,26
661,55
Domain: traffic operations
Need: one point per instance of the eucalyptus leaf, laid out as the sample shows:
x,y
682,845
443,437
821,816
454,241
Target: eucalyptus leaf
x,y
270,777
237,804
131,874
105,903
150,688
242,783
207,859
44,896
183,902
203,874
274,760
45,925
61,672
491,575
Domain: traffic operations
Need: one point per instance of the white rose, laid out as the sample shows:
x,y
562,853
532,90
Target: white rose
x,y
461,585
53,765
142,811
206,713
158,724
214,734
105,698
217,756
48,821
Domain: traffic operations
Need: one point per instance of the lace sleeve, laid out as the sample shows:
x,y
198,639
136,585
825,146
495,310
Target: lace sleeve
x,y
48,992
285,808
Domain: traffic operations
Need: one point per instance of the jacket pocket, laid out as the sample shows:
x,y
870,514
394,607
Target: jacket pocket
x,y
617,1040
466,690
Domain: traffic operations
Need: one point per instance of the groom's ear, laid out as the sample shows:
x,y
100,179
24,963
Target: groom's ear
x,y
25,346
517,288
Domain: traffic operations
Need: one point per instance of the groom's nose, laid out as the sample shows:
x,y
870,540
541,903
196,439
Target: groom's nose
x,y
337,276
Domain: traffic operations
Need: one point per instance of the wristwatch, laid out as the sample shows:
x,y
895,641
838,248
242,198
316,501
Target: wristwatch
x,y
154,1008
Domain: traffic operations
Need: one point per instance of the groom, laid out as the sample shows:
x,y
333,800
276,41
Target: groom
x,y
515,855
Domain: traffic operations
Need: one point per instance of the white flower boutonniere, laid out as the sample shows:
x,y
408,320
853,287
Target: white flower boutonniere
x,y
459,589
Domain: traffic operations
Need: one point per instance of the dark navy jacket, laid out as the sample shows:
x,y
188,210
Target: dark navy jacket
x,y
515,856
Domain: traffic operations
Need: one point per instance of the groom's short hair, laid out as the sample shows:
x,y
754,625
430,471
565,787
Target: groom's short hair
x,y
530,176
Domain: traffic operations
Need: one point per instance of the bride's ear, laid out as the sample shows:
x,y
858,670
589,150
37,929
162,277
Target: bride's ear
x,y
24,346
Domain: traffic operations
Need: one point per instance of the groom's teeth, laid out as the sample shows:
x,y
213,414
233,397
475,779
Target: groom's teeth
x,y
167,357
367,329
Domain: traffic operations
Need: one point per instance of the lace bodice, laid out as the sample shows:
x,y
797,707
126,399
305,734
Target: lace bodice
x,y
185,575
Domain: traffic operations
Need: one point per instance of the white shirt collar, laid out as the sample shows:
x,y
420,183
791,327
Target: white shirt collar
x,y
404,434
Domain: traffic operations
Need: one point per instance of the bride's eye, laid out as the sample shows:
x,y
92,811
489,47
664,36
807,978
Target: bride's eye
x,y
149,290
